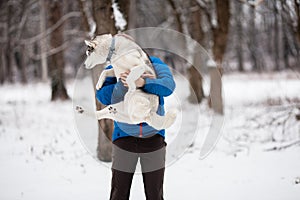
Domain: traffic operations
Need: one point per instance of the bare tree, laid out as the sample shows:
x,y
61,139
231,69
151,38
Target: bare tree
x,y
2,76
19,49
220,32
20,62
177,15
102,14
197,33
220,37
285,33
297,10
84,19
8,45
253,43
239,12
2,52
276,36
43,41
56,61
105,23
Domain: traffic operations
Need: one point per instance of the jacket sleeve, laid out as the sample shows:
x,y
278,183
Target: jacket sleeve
x,y
111,92
164,83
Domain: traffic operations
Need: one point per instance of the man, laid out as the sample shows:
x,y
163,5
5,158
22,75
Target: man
x,y
133,141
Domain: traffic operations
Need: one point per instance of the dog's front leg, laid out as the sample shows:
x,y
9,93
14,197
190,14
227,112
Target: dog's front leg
x,y
134,74
161,122
103,75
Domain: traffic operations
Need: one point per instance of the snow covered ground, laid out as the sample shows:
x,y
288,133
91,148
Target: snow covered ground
x,y
42,156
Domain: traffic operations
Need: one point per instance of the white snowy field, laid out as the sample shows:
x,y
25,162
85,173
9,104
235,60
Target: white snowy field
x,y
42,156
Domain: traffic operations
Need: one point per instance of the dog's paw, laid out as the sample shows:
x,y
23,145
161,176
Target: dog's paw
x,y
79,109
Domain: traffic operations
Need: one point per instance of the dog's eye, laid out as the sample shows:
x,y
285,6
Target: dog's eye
x,y
90,49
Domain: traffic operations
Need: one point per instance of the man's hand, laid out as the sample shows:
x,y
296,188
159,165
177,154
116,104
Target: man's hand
x,y
140,82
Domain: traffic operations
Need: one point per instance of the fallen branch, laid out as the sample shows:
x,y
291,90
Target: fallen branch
x,y
279,148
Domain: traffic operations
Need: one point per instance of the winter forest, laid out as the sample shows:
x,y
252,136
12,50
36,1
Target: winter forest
x,y
237,74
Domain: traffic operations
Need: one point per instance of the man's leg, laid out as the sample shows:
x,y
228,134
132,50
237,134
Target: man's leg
x,y
153,184
152,158
120,185
123,167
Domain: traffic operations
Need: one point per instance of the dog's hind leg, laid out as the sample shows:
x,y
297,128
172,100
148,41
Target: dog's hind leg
x,y
162,122
135,73
115,112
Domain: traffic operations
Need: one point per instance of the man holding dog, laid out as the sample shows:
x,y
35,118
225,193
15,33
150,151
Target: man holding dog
x,y
138,141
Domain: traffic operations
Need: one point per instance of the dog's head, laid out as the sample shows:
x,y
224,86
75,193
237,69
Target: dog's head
x,y
97,50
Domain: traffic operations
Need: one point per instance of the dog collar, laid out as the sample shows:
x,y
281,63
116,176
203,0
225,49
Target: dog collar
x,y
111,50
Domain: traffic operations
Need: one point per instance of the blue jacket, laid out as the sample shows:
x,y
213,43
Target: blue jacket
x,y
113,92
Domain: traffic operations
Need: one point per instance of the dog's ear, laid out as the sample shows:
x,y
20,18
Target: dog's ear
x,y
88,43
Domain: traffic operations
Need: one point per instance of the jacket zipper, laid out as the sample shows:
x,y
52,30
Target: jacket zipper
x,y
141,130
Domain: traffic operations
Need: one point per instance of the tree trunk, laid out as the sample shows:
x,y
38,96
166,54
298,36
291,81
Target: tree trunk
x,y
8,48
253,45
195,80
105,126
285,37
20,62
84,18
220,37
197,33
221,32
2,71
297,10
103,16
57,60
43,47
276,37
177,15
2,56
132,21
239,30
216,100
105,23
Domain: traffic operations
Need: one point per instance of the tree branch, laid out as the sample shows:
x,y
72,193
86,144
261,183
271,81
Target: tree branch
x,y
279,148
177,15
51,29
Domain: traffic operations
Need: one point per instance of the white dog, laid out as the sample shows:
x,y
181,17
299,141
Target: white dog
x,y
125,55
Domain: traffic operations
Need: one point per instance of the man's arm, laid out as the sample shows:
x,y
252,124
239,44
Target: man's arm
x,y
111,92
163,84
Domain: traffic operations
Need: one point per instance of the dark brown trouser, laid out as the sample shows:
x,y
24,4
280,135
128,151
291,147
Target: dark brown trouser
x,y
126,152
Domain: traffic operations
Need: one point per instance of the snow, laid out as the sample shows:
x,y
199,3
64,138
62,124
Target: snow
x,y
42,156
119,18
